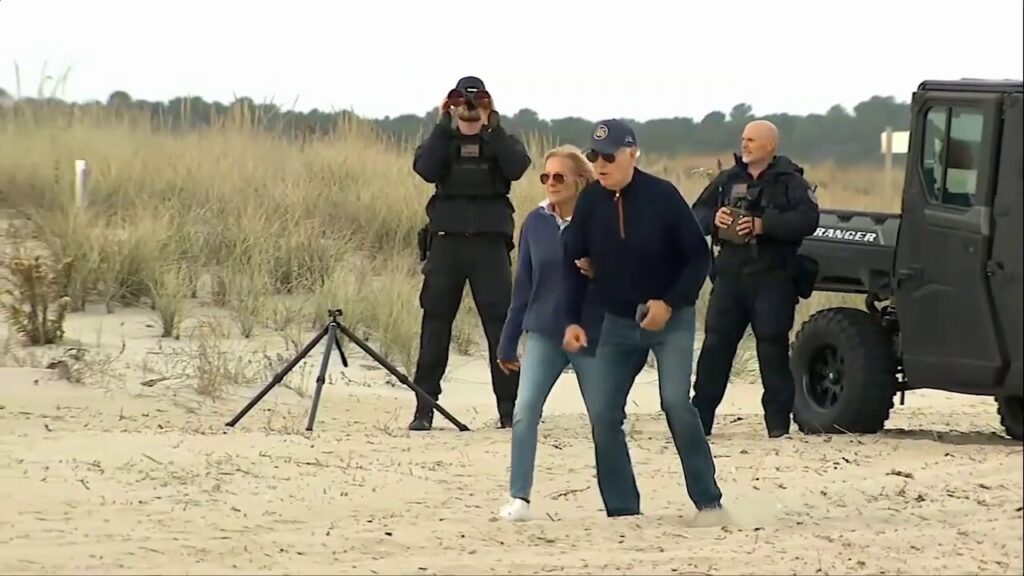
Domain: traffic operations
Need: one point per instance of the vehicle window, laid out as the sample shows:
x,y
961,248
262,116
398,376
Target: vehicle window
x,y
951,154
931,157
962,158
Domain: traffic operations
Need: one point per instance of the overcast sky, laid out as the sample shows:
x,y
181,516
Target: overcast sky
x,y
593,58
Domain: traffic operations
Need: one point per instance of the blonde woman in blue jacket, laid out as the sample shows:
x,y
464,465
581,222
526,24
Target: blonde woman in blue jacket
x,y
538,310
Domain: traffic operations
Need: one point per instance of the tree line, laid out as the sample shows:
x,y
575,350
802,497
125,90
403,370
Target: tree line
x,y
840,135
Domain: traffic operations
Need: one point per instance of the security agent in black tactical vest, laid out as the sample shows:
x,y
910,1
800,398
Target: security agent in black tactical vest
x,y
468,236
758,212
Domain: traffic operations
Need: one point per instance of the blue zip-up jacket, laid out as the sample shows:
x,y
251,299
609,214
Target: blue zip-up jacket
x,y
538,293
643,243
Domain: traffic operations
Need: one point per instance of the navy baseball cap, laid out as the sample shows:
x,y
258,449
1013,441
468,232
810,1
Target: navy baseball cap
x,y
610,135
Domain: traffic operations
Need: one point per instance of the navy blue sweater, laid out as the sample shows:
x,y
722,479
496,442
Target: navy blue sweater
x,y
644,244
538,293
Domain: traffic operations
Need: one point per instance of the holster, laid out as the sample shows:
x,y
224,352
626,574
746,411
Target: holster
x,y
423,241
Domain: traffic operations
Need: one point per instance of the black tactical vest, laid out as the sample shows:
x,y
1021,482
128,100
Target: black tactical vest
x,y
472,173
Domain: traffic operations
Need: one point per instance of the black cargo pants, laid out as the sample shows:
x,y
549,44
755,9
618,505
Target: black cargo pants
x,y
454,259
766,301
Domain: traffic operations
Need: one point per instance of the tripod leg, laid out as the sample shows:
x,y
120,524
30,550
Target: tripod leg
x,y
341,351
401,377
332,335
279,377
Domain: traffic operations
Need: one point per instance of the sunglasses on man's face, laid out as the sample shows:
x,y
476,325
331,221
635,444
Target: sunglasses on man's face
x,y
556,177
593,155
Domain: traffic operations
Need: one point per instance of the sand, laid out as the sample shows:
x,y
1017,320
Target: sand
x,y
126,473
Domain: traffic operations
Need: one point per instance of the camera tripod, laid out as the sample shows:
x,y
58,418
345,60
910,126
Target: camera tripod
x,y
331,330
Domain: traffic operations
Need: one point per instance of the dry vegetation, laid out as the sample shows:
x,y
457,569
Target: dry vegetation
x,y
270,231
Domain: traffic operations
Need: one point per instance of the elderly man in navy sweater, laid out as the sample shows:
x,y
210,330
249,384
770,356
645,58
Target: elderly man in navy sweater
x,y
645,252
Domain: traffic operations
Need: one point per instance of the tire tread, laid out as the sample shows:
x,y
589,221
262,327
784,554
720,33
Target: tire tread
x,y
867,350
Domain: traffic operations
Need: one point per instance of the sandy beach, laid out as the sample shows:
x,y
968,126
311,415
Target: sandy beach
x,y
131,471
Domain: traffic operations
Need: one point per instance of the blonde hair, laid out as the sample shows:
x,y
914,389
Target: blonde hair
x,y
585,173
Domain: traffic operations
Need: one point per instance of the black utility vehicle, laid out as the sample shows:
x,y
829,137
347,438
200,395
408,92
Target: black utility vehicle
x,y
941,279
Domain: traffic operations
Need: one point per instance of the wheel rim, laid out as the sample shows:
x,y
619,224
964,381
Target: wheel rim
x,y
823,382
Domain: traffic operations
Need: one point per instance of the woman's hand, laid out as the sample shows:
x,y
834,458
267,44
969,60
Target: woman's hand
x,y
509,366
585,267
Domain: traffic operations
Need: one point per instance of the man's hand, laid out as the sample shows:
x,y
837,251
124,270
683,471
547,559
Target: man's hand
x,y
444,110
585,267
575,338
658,313
723,218
750,225
488,114
509,366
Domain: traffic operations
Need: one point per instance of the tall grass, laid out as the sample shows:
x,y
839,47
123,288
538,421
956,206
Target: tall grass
x,y
281,230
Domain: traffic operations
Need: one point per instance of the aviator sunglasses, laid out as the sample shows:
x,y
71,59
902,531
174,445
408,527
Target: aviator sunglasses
x,y
557,178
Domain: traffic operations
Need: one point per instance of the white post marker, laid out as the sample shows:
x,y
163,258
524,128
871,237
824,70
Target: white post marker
x,y
81,183
893,142
888,159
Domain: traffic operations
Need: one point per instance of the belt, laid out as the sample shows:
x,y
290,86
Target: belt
x,y
471,234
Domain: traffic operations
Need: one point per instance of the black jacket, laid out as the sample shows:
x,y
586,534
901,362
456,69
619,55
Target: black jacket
x,y
474,200
785,203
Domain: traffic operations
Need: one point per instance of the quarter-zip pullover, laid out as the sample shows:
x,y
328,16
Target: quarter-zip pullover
x,y
643,242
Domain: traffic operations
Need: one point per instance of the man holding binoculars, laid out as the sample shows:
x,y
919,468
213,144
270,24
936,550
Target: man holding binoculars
x,y
468,236
758,212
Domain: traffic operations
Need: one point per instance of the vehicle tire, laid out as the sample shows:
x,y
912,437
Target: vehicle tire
x,y
844,369
1011,415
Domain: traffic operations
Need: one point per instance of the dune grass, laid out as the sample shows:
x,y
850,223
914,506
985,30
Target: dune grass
x,y
272,230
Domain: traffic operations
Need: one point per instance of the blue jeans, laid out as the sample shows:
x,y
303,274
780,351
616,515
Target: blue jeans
x,y
623,350
543,362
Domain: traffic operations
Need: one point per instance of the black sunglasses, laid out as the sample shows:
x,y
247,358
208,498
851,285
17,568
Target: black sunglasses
x,y
593,155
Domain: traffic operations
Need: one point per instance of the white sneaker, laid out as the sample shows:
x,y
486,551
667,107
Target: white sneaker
x,y
515,510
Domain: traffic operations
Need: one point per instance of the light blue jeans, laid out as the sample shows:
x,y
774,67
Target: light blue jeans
x,y
623,350
543,362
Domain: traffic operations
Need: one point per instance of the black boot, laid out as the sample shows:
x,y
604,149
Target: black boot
x,y
505,421
777,427
505,410
423,418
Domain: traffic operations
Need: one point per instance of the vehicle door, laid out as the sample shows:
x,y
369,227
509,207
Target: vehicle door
x,y
947,316
1005,269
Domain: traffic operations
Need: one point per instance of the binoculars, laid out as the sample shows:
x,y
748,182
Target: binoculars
x,y
740,202
731,234
472,99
